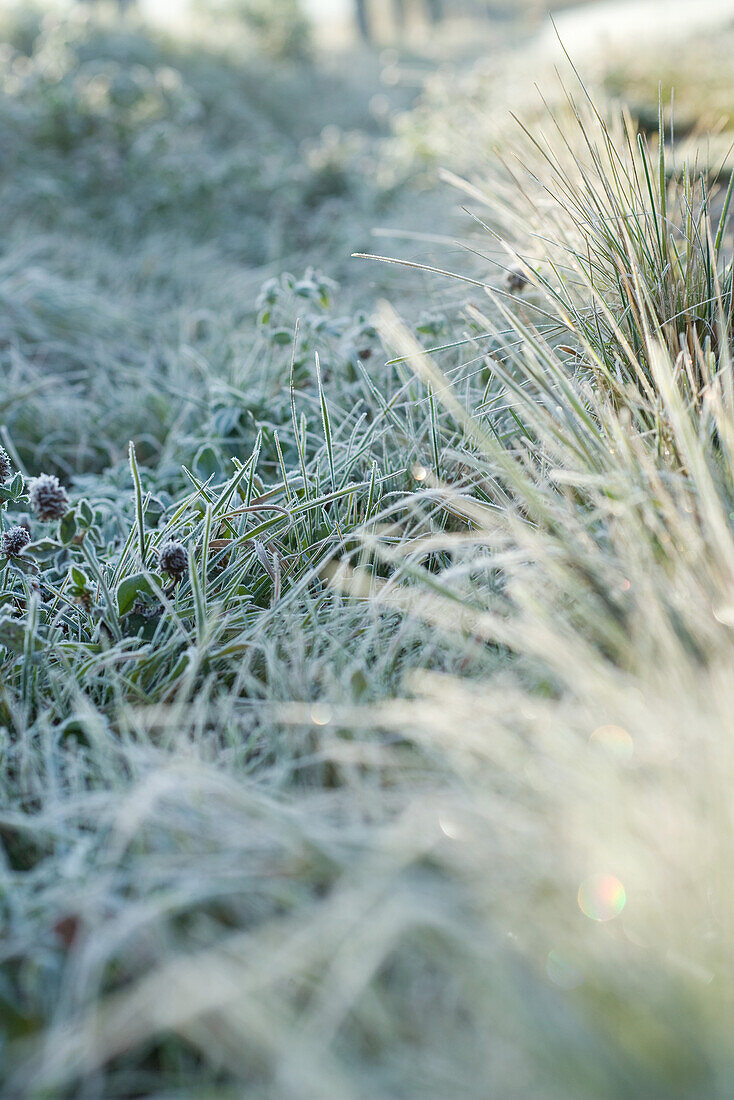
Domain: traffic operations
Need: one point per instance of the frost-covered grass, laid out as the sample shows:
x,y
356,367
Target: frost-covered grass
x,y
416,780
150,186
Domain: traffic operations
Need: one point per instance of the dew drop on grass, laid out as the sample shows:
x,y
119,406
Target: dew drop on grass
x,y
562,971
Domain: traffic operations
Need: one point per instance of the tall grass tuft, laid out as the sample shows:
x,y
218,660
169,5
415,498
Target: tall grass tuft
x,y
630,246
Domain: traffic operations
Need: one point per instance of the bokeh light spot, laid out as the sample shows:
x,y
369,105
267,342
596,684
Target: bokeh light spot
x,y
601,897
561,970
615,740
449,827
320,714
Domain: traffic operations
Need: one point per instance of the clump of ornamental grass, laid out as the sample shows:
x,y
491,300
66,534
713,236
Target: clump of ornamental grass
x,y
606,752
623,240
15,540
48,497
591,830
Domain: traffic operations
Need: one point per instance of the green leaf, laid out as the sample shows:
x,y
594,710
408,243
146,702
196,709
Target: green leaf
x,y
154,509
79,578
14,490
129,590
207,462
13,635
138,501
359,684
67,528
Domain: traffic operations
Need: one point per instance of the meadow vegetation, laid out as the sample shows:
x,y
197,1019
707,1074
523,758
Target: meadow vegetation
x,y
365,668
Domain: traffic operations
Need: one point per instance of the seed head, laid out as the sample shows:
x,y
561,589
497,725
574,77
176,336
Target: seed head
x,y
516,280
48,498
14,541
5,468
173,559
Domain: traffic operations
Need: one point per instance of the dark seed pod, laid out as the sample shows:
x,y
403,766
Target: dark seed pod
x,y
173,559
14,541
5,467
48,498
516,280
